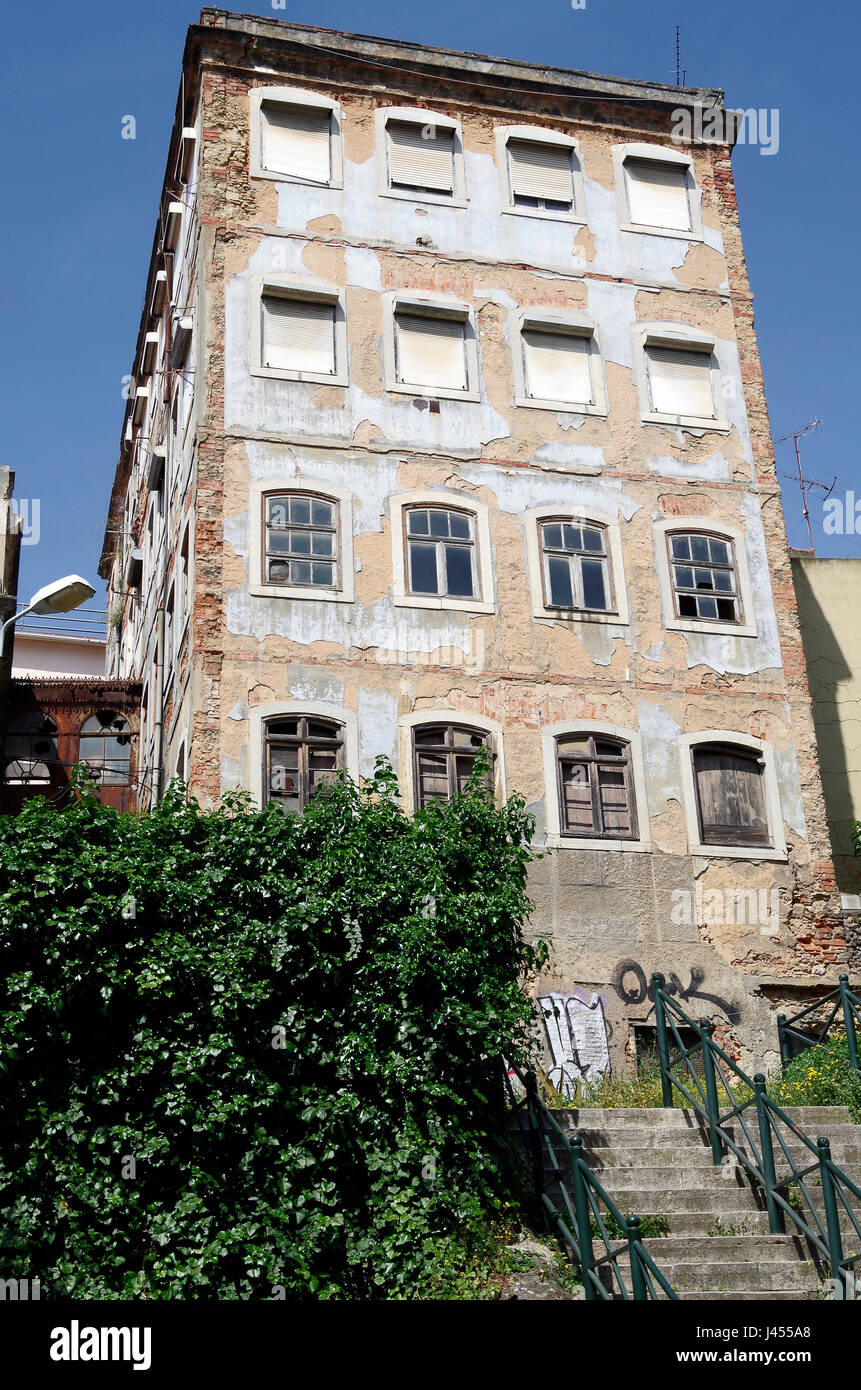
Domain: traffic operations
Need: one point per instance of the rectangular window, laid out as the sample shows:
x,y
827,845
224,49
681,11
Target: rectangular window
x,y
444,757
595,792
576,566
420,156
302,756
540,175
430,351
297,142
298,335
704,578
558,366
440,552
680,382
301,541
730,796
658,194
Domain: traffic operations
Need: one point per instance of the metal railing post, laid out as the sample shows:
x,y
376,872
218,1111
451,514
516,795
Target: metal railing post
x,y
776,1218
581,1209
638,1282
663,1046
706,1029
535,1151
832,1216
849,1021
783,1040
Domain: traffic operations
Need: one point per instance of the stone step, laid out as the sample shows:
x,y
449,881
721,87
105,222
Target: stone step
x,y
728,1275
752,1296
633,1137
650,1201
767,1249
665,1177
601,1157
741,1221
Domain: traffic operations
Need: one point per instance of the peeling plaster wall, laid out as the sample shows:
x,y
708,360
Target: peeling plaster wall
x,y
612,916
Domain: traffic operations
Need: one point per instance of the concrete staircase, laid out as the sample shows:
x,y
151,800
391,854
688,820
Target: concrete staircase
x,y
718,1246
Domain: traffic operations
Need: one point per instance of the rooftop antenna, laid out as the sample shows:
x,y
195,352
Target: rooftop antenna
x,y
805,483
681,74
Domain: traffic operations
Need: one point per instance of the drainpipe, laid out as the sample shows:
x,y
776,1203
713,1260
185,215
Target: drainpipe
x,y
157,703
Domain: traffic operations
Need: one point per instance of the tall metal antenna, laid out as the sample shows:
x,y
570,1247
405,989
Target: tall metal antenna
x,y
805,483
678,59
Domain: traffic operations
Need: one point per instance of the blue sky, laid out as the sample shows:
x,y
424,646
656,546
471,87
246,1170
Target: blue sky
x,y
81,206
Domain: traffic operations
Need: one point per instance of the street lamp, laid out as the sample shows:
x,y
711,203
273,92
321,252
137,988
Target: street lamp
x,y
59,597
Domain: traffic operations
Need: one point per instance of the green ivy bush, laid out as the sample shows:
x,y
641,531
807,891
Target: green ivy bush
x,y
246,1055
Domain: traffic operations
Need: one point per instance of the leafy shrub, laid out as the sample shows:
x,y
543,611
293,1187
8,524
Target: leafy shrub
x,y
820,1075
247,1055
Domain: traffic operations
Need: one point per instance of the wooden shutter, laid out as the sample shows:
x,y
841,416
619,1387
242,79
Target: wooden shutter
x,y
420,162
298,335
730,797
431,351
658,195
540,171
558,366
296,142
680,382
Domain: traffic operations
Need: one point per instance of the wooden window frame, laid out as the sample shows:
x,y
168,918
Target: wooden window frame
x,y
593,759
735,837
336,557
576,588
304,742
732,568
450,751
439,542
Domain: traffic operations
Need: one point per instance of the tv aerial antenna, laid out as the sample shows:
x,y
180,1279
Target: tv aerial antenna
x,y
805,483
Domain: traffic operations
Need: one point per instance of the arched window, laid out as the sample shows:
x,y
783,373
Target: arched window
x,y
575,563
703,577
444,757
596,791
30,751
301,540
441,552
105,748
730,795
301,755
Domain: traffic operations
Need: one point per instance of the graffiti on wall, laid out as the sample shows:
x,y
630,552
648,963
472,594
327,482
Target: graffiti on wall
x,y
577,1037
632,987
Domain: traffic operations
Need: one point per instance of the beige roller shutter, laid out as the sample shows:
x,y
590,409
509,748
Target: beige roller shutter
x,y
418,160
296,142
658,195
298,335
540,171
680,382
558,366
431,352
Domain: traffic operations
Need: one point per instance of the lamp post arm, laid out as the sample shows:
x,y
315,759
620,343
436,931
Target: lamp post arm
x,y
10,622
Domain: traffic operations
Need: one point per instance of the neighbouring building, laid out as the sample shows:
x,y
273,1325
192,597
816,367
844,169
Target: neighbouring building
x,y
447,429
56,706
827,592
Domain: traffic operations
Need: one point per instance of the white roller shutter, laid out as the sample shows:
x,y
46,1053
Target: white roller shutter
x,y
417,160
658,195
680,382
540,171
298,335
558,366
431,352
296,142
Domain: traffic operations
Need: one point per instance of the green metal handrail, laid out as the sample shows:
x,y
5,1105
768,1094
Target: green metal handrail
x,y
582,1195
845,1003
839,1194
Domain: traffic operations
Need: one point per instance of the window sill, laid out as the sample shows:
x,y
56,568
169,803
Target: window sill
x,y
417,196
712,629
431,393
660,231
304,592
575,615
568,407
270,176
556,841
443,604
754,852
547,215
311,378
688,422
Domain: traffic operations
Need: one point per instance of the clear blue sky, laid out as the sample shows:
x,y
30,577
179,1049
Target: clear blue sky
x,y
81,204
